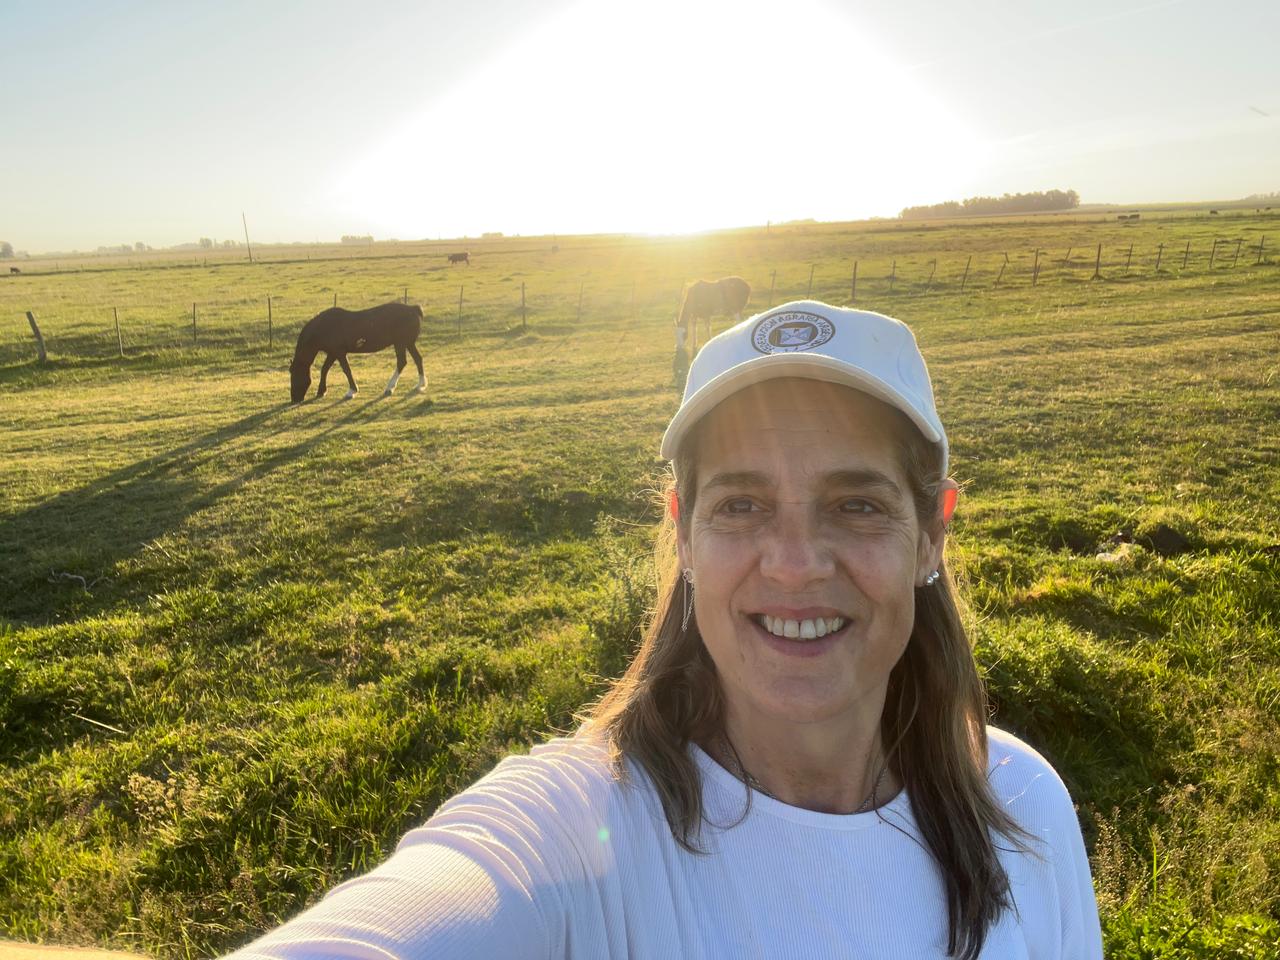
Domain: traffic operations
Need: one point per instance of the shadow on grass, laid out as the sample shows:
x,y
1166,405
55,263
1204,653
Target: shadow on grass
x,y
102,523
19,371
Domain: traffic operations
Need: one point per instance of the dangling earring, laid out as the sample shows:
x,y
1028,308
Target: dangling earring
x,y
932,578
687,576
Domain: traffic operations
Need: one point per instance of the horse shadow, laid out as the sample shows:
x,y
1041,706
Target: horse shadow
x,y
56,556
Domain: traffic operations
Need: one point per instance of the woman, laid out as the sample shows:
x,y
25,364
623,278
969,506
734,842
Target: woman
x,y
796,763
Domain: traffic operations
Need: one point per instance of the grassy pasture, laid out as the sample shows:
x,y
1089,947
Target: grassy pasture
x,y
244,646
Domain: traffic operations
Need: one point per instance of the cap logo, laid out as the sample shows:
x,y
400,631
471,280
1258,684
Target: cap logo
x,y
790,331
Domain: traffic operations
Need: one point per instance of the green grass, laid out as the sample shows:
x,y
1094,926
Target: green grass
x,y
244,646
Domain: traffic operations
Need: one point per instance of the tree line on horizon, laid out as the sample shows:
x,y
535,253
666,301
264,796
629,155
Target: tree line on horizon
x,y
1036,202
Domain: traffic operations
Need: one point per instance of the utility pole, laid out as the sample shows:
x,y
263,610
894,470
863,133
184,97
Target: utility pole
x,y
246,236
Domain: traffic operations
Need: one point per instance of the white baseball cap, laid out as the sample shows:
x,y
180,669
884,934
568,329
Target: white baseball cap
x,y
805,338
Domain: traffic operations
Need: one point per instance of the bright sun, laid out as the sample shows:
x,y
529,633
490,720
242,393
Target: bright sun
x,y
666,117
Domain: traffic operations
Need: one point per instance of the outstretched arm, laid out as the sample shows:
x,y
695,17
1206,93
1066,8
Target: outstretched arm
x,y
428,900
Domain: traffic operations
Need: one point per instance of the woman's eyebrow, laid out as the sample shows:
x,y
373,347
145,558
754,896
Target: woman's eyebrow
x,y
738,479
864,479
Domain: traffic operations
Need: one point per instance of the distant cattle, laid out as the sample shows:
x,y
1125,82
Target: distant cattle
x,y
1213,212
464,257
1129,216
14,270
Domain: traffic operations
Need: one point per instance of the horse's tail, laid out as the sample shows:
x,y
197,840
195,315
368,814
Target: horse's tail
x,y
735,293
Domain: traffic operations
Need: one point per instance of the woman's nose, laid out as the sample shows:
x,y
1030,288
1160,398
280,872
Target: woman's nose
x,y
792,551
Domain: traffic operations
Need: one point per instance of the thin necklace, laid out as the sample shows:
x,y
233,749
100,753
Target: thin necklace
x,y
745,776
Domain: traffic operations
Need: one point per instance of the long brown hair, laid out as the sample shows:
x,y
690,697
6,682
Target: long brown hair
x,y
933,725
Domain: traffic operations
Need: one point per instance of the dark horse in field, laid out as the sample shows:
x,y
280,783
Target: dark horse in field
x,y
337,332
704,299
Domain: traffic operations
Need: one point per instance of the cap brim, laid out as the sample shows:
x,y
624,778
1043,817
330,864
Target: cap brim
x,y
810,366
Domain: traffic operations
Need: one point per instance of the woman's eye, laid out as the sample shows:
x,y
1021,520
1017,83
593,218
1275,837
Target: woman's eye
x,y
857,505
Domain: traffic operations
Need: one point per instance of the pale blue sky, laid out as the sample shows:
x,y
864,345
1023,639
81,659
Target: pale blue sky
x,y
160,122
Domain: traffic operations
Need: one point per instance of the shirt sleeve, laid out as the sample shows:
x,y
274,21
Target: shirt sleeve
x,y
429,900
487,876
1036,796
1081,929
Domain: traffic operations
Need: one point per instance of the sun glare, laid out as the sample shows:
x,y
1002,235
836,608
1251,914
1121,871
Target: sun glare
x,y
666,117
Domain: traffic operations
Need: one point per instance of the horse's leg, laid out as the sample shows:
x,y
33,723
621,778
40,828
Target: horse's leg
x,y
400,362
324,374
346,368
422,377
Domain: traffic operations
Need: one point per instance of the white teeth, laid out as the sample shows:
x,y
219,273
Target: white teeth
x,y
801,629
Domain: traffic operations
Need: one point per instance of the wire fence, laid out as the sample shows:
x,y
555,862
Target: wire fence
x,y
269,324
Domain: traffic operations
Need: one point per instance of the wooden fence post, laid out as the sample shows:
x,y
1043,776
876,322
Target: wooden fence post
x,y
1066,261
1097,265
1128,260
808,294
194,342
460,309
853,289
119,339
271,338
1159,255
1213,253
1035,268
1002,266
406,295
965,278
1234,259
35,328
893,275
524,317
335,298
1261,243
772,279
1186,253
933,268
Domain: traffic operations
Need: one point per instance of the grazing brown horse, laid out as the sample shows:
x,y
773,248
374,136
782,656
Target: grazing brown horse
x,y
704,299
464,257
337,332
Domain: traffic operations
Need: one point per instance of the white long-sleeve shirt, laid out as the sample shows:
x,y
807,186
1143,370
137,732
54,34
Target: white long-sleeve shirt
x,y
550,856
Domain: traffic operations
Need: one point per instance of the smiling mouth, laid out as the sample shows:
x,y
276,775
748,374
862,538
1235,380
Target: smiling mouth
x,y
799,629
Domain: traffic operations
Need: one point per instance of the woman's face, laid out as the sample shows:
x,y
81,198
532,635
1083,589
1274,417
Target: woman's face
x,y
805,549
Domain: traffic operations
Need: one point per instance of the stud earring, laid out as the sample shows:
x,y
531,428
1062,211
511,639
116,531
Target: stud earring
x,y
932,578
